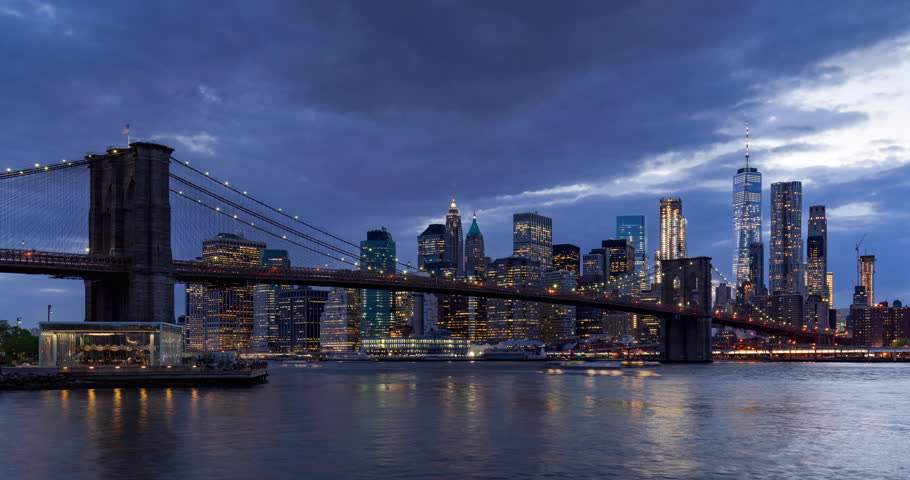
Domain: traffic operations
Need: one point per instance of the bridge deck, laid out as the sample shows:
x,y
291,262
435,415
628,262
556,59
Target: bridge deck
x,y
88,265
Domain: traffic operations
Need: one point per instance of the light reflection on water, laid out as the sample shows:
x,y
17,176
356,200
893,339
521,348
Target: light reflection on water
x,y
470,420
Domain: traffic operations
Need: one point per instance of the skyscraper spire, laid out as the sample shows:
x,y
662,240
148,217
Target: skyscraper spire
x,y
474,230
747,144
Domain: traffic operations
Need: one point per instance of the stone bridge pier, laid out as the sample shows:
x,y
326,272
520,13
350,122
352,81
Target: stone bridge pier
x,y
130,218
686,283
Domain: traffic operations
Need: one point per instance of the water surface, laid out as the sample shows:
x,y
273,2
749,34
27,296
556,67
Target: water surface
x,y
476,420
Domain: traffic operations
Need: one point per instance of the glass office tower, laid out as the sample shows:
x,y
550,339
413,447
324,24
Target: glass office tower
x,y
785,266
746,219
377,254
632,228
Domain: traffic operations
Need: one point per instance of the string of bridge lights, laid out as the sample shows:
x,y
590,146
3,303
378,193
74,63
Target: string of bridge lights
x,y
38,168
295,218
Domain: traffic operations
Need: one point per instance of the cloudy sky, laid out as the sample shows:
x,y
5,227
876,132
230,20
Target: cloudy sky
x,y
366,114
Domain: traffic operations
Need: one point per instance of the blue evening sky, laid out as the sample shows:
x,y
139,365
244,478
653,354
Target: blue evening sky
x,y
364,114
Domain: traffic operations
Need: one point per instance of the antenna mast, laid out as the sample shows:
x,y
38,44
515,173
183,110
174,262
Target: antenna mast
x,y
747,144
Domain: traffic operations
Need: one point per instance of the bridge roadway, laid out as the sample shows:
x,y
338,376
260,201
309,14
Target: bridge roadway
x,y
67,265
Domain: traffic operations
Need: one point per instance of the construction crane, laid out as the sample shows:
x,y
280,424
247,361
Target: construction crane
x,y
859,268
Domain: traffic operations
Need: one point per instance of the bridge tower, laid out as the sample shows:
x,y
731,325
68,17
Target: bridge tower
x,y
130,217
686,283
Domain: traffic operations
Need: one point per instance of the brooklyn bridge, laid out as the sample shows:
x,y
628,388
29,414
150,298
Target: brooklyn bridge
x,y
127,221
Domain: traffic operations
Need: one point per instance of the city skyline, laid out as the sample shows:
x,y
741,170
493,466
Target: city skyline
x,y
454,239
809,119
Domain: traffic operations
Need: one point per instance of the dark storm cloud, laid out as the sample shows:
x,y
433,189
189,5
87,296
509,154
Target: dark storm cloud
x,y
382,110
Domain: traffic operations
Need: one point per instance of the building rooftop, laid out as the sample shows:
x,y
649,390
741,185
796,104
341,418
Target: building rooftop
x,y
434,229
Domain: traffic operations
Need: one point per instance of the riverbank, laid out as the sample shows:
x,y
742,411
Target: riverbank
x,y
44,378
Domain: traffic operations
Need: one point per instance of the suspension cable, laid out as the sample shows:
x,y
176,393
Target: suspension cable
x,y
264,218
252,224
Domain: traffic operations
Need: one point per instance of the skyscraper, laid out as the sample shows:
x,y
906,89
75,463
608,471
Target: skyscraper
x,y
377,254
475,254
756,272
557,322
747,224
339,326
431,245
454,238
867,277
817,253
829,280
474,313
194,318
785,263
595,266
620,265
532,238
567,258
632,228
513,319
265,304
299,313
221,318
673,231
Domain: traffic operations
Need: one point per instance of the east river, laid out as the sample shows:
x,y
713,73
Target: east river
x,y
476,420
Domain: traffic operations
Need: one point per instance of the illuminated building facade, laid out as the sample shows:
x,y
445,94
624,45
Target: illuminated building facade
x,y
816,313
476,318
299,314
454,238
755,281
377,254
747,221
194,316
880,325
788,309
785,263
416,346
595,266
402,310
557,322
532,238
463,317
867,276
567,258
474,251
589,321
265,304
673,232
339,326
632,228
513,319
621,266
829,281
220,318
817,253
431,245
648,326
